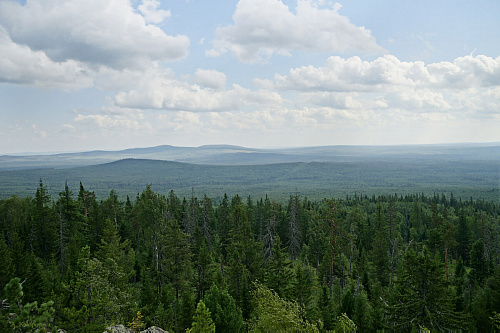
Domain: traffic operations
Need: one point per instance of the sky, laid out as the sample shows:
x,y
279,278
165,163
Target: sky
x,y
79,75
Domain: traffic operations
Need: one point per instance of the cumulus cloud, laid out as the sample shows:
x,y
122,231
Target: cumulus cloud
x,y
335,100
388,73
161,90
353,74
181,121
109,119
264,27
93,32
466,72
210,78
21,65
149,9
466,83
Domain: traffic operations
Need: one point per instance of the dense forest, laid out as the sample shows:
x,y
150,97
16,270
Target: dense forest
x,y
367,263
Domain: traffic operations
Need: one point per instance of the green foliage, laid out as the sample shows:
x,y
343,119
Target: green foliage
x,y
383,261
6,266
225,314
202,322
272,313
344,324
495,319
480,266
100,295
477,178
28,317
423,297
137,323
279,273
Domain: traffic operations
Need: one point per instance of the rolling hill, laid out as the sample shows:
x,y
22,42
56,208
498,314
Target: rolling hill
x,y
316,180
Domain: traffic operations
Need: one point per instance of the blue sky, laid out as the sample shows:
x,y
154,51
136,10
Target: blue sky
x,y
86,74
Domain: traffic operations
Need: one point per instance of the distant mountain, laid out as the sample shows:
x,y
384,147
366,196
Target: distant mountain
x,y
235,155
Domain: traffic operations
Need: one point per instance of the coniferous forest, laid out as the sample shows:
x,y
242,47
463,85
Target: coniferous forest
x,y
367,263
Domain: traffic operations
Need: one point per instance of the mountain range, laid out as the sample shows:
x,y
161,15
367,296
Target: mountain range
x,y
317,172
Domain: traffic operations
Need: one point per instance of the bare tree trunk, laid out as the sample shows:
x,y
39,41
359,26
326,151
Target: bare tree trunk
x,y
394,244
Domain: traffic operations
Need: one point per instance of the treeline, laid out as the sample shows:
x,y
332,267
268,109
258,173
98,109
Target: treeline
x,y
361,262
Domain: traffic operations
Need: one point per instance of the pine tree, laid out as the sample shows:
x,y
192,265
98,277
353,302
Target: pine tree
x,y
27,317
202,322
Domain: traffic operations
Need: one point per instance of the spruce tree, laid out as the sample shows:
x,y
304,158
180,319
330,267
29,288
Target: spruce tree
x,y
279,272
423,297
44,228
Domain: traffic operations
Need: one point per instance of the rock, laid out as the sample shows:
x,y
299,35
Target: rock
x,y
123,329
154,329
118,329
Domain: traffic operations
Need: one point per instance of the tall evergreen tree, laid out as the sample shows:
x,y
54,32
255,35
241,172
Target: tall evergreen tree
x,y
6,266
279,273
177,265
225,313
202,322
380,248
423,298
294,226
44,228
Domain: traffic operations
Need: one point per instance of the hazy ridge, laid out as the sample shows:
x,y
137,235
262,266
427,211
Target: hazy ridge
x,y
316,172
235,155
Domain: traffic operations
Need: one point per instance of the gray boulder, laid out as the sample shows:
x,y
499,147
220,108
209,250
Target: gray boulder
x,y
154,329
118,329
123,329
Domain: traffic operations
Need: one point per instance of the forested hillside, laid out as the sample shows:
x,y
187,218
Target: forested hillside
x,y
466,179
396,262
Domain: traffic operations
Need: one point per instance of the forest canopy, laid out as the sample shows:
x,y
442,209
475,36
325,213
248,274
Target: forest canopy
x,y
359,262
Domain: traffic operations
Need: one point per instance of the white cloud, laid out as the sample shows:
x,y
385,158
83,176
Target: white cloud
x,y
126,119
423,99
94,32
466,72
467,83
210,78
353,74
149,9
187,122
20,65
389,73
333,99
265,27
161,90
38,132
